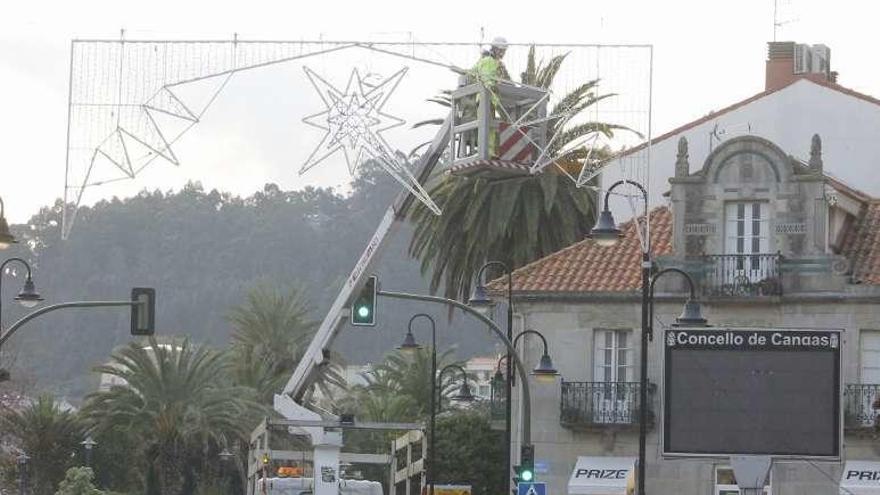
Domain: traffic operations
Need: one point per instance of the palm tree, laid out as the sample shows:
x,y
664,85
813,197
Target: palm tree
x,y
514,221
179,401
406,377
272,330
48,435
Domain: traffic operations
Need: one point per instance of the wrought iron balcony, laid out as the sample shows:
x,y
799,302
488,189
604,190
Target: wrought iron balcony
x,y
859,411
742,275
600,404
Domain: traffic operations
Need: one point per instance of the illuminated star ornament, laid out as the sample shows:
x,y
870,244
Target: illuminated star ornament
x,y
353,122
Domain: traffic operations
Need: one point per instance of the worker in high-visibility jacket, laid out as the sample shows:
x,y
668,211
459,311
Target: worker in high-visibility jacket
x,y
488,71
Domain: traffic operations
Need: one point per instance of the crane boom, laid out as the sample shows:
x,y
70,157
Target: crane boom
x,y
318,349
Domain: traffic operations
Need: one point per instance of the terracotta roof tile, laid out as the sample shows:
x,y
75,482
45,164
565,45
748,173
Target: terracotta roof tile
x,y
589,267
861,245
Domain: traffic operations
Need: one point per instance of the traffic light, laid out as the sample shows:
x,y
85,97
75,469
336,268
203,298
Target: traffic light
x,y
527,463
363,309
143,313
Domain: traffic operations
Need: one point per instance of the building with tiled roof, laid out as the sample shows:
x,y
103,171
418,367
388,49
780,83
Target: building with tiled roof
x,y
771,241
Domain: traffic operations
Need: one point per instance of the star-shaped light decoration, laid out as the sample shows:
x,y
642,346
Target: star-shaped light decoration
x,y
354,122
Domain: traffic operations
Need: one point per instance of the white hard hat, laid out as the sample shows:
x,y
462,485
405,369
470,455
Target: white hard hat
x,y
499,42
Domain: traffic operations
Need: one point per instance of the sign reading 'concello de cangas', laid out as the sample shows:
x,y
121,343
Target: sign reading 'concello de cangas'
x,y
752,391
752,339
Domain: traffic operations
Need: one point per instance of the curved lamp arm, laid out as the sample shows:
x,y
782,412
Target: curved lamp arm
x,y
533,332
3,267
20,260
449,367
439,397
632,183
433,326
646,238
506,271
656,276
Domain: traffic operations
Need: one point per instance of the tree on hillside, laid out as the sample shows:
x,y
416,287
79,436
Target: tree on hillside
x,y
179,401
49,435
515,221
78,481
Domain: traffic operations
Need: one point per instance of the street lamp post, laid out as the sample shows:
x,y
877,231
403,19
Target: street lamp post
x,y
88,445
27,297
545,370
6,237
606,233
23,459
464,391
409,345
498,381
480,299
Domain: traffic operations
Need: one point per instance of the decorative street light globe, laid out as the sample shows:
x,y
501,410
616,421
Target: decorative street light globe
x,y
691,315
28,297
409,343
545,372
605,233
464,393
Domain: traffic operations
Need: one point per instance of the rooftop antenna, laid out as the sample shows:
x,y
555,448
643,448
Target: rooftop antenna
x,y
716,135
777,22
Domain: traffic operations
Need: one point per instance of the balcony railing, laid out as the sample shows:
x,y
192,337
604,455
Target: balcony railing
x,y
597,404
743,275
858,406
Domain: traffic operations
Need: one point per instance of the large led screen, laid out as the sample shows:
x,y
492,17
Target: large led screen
x,y
752,392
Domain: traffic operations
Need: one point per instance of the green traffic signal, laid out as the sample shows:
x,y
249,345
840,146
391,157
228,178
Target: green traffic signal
x,y
363,309
527,463
363,312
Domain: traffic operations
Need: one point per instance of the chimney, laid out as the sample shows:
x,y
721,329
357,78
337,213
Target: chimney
x,y
788,61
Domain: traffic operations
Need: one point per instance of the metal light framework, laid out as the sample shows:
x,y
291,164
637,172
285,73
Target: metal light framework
x,y
545,371
129,105
6,237
353,121
606,233
481,300
410,345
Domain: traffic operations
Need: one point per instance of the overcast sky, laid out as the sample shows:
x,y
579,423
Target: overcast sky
x,y
707,54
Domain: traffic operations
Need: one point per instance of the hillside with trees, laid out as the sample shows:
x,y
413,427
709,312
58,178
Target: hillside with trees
x,y
204,251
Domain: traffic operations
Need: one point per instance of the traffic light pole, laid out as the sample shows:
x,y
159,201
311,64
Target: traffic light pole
x,y
48,309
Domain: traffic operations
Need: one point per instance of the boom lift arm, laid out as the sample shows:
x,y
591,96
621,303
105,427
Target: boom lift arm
x,y
318,350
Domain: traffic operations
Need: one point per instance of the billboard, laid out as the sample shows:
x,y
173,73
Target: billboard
x,y
752,392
